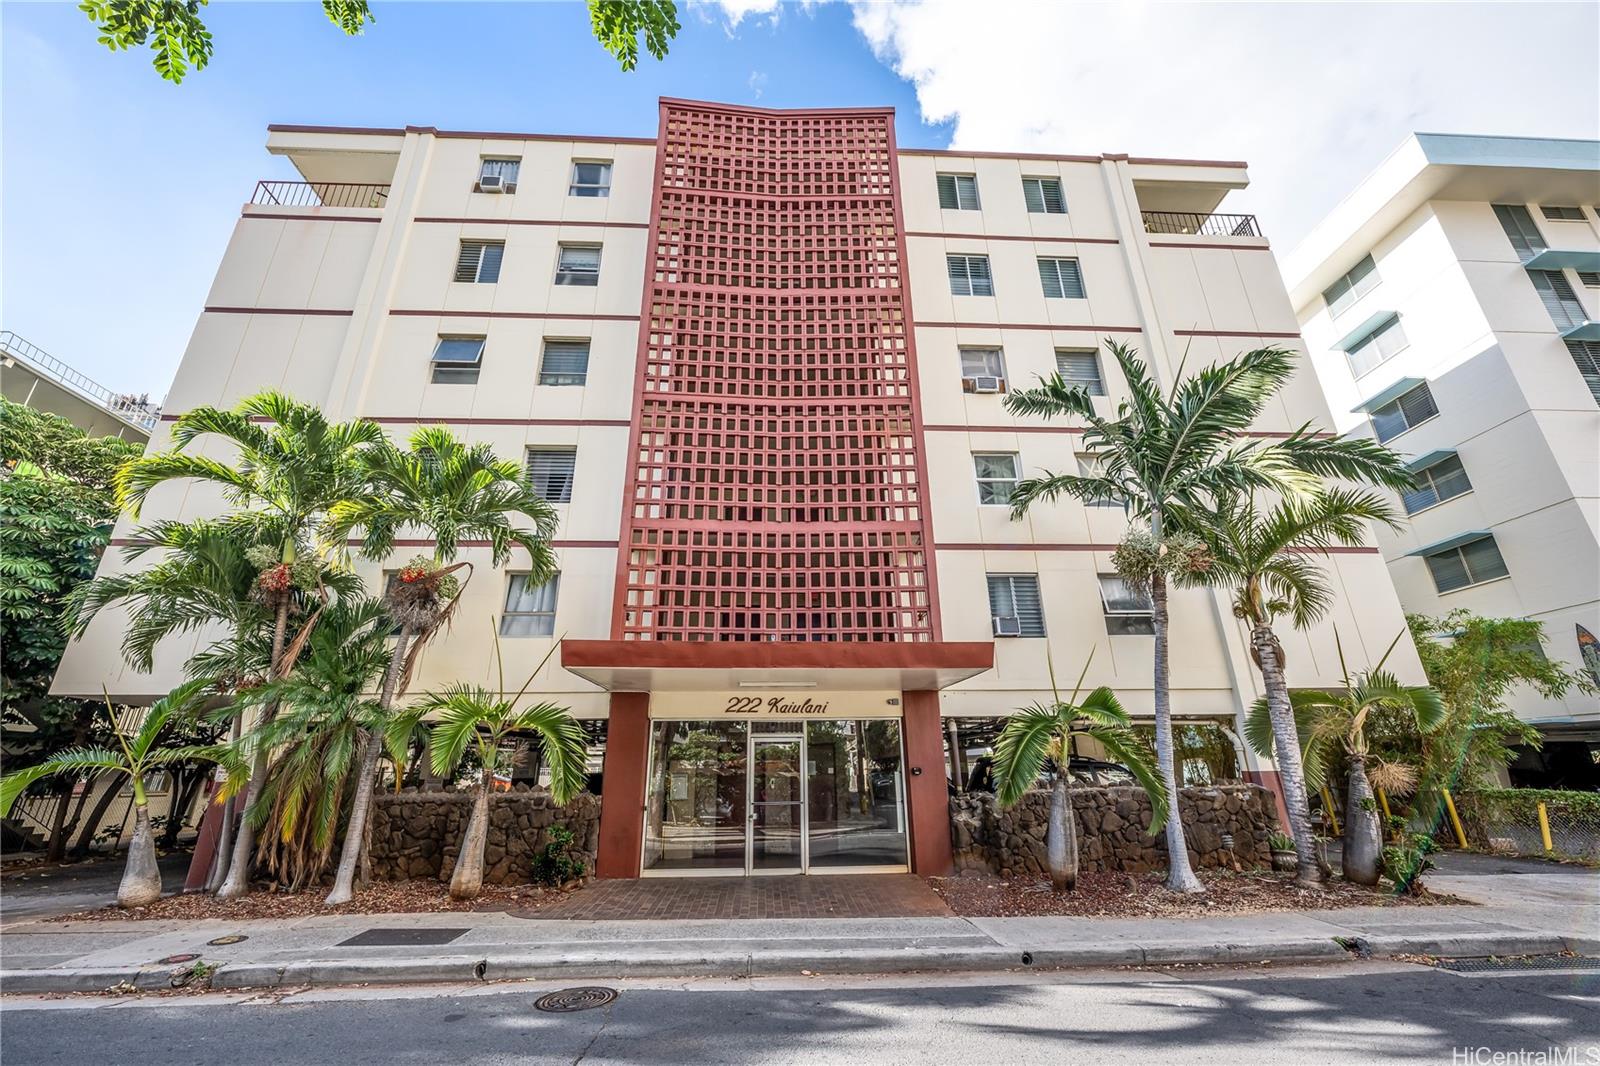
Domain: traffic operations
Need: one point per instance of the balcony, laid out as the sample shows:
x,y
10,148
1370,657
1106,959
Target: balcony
x,y
1195,224
35,378
319,194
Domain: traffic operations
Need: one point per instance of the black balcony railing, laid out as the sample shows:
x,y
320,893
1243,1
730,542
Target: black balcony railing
x,y
1193,224
319,194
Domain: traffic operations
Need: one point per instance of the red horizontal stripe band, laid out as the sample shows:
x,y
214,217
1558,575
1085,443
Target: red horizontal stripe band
x,y
310,218
1028,325
120,542
277,311
1233,333
1264,434
578,317
1013,237
532,222
971,547
395,420
1228,247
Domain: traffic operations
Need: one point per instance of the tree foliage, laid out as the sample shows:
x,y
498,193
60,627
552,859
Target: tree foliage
x,y
180,41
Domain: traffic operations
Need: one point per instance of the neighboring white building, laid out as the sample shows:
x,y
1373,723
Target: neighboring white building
x,y
33,377
784,494
1450,303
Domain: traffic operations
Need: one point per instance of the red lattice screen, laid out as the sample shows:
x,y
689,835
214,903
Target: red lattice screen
x,y
777,486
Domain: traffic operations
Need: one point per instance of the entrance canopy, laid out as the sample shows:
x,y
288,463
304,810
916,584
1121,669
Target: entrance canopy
x,y
827,666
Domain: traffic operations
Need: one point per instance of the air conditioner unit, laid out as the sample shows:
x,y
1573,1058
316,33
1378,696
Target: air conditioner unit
x,y
491,183
987,384
1007,627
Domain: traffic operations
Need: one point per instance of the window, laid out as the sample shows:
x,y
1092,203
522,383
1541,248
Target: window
x,y
550,472
1014,605
498,175
1081,368
564,363
1128,613
590,179
479,261
1061,279
456,360
1586,357
1561,214
1520,229
530,609
1090,465
1589,278
958,192
1559,299
985,366
1381,345
969,275
1401,414
1435,484
1469,564
1043,196
1356,283
578,264
997,476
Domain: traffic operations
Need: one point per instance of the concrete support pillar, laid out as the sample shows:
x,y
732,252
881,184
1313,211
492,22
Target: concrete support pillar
x,y
1268,779
927,796
622,789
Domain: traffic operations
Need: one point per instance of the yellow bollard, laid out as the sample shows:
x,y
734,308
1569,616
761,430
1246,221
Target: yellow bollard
x,y
1383,801
1455,819
1544,829
1327,805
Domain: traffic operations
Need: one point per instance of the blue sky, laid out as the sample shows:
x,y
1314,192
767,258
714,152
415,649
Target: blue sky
x,y
118,191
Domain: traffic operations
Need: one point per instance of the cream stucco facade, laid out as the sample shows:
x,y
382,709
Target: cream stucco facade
x,y
1434,251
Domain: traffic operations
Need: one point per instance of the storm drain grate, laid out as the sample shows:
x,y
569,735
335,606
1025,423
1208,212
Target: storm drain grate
x,y
1536,962
571,999
399,938
224,941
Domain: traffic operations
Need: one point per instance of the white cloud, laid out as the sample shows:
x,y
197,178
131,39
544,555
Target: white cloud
x,y
736,11
1313,96
758,83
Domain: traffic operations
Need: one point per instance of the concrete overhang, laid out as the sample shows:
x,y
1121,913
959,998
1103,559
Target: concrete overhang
x,y
1398,389
328,154
1450,542
1584,331
1433,458
1563,259
1350,341
728,666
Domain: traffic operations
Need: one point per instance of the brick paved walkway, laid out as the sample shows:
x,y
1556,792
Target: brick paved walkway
x,y
677,898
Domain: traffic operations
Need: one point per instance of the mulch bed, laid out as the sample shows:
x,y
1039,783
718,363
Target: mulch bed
x,y
380,897
1119,895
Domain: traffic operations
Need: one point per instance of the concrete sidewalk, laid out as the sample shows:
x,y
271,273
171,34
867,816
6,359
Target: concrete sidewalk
x,y
1528,908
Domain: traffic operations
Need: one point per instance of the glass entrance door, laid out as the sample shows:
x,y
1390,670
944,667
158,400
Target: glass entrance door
x,y
777,805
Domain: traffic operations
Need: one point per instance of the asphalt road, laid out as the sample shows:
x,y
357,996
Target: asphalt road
x,y
1349,1013
46,891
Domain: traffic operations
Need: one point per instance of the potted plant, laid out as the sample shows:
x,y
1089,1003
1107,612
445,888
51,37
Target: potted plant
x,y
1284,859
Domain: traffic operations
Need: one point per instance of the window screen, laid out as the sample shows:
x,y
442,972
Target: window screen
x,y
1380,346
1559,299
1397,416
550,472
969,275
997,476
578,264
1128,613
1586,357
1017,596
590,179
1439,482
1356,283
982,363
958,192
530,609
564,363
1061,279
456,360
1520,229
1081,368
479,261
1043,196
1561,214
1470,564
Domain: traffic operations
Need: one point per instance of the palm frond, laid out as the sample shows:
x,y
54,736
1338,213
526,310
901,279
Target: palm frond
x,y
1123,745
566,750
1022,747
70,761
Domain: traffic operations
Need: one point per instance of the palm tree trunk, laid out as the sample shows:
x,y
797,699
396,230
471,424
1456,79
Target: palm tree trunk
x,y
244,845
56,848
1286,749
1180,876
355,833
101,806
1363,840
1061,836
224,857
141,877
467,881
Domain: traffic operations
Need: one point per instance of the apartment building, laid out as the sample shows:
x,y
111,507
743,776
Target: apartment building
x,y
1452,307
758,362
33,377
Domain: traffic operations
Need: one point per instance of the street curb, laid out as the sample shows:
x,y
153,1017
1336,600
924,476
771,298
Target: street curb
x,y
464,969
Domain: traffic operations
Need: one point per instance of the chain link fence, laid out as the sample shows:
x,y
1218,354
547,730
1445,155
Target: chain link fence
x,y
1507,821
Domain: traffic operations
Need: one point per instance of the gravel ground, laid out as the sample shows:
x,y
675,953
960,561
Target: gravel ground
x,y
382,897
1118,895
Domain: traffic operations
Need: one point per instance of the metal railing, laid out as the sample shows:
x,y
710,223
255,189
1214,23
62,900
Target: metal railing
x,y
319,194
135,409
1193,224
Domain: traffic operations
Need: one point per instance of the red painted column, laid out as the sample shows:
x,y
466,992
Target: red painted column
x,y
622,786
206,841
1269,780
927,795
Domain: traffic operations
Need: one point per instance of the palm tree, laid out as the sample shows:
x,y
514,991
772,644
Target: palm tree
x,y
468,714
325,707
1323,719
1266,557
1049,731
139,755
1166,458
293,465
453,492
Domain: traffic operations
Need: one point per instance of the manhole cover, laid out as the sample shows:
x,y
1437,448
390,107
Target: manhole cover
x,y
223,941
571,999
393,938
1537,962
172,960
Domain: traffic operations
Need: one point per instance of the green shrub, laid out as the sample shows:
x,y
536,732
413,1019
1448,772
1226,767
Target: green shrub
x,y
560,861
1405,861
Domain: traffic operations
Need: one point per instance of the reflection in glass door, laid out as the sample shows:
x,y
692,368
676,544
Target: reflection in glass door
x,y
777,805
696,801
855,788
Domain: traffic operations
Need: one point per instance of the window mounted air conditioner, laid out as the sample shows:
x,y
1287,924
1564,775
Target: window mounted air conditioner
x,y
1007,627
491,183
987,384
